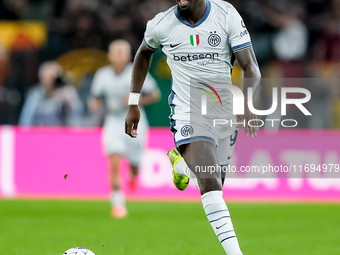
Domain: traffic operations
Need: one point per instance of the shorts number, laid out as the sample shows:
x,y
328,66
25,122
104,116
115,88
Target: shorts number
x,y
233,138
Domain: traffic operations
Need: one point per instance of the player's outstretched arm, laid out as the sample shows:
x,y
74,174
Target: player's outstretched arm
x,y
252,77
141,67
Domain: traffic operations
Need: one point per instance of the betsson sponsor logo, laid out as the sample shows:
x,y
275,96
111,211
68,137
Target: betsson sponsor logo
x,y
194,57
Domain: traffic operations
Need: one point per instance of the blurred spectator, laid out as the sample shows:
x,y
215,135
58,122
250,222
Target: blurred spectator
x,y
3,105
52,102
317,12
86,32
3,61
336,110
290,43
327,47
12,9
21,72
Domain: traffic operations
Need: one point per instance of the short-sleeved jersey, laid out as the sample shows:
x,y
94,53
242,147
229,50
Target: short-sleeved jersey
x,y
114,88
201,50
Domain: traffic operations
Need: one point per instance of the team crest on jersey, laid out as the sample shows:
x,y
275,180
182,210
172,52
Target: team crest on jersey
x,y
187,130
214,39
194,40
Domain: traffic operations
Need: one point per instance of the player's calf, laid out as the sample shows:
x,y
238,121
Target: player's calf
x,y
219,218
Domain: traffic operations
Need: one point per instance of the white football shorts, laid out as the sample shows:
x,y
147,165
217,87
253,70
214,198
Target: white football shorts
x,y
115,140
190,125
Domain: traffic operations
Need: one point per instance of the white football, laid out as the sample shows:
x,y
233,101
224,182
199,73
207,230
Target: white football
x,y
78,251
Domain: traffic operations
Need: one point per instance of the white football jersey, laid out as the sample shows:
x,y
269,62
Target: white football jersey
x,y
114,88
203,50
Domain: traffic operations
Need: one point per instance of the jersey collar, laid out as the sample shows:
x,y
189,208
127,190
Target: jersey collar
x,y
204,17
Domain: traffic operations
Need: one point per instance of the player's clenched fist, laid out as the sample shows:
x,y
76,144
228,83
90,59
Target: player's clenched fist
x,y
131,121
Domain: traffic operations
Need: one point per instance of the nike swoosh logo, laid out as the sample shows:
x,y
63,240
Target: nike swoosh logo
x,y
221,226
174,45
229,157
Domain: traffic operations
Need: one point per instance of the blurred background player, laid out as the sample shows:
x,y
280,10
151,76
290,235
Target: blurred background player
x,y
110,89
53,102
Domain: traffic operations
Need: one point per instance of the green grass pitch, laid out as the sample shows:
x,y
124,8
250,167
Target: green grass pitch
x,y
39,227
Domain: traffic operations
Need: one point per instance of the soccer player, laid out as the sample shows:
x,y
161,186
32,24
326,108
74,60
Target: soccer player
x,y
198,38
111,85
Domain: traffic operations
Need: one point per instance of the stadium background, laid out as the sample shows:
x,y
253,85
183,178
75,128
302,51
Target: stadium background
x,y
292,39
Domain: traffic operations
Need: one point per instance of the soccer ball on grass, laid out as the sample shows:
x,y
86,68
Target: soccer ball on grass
x,y
78,251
